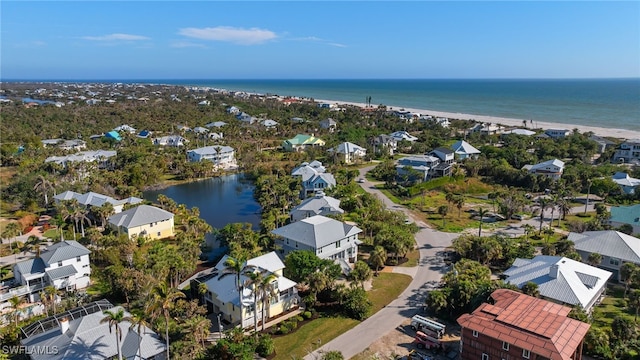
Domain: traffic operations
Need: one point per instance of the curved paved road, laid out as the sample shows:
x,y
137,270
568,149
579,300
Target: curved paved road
x,y
425,276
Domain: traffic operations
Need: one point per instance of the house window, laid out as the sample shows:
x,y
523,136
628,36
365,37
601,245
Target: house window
x,y
78,258
614,261
158,233
59,263
474,333
505,345
526,353
485,356
338,244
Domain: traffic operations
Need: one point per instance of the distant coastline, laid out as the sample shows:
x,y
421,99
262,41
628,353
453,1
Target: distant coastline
x,y
607,107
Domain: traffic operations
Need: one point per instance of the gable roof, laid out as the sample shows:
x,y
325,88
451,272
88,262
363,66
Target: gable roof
x,y
537,325
623,179
559,278
608,243
626,214
348,148
553,162
319,203
211,150
317,231
302,139
95,199
63,250
463,147
33,266
140,215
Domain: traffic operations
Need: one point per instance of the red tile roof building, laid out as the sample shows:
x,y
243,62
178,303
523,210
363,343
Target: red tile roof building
x,y
518,326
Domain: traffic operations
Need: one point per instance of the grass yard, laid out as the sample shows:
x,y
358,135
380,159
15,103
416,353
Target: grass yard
x,y
386,288
412,258
611,307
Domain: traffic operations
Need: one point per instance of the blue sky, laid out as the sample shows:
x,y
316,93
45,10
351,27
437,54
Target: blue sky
x,y
318,39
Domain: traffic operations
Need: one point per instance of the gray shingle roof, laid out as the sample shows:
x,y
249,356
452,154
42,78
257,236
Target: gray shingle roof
x,y
31,266
62,272
608,243
139,215
63,250
317,231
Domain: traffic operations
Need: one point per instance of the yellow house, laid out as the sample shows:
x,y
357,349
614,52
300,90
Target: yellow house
x,y
222,296
144,221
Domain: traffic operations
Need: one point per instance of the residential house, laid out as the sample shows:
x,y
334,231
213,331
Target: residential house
x,y
94,199
550,168
629,215
327,105
464,150
557,133
626,182
628,152
80,333
384,144
269,124
616,248
410,167
204,103
144,221
349,152
302,142
329,124
183,128
100,157
603,143
512,325
233,110
403,135
447,159
217,124
313,178
298,120
487,129
237,306
125,128
170,140
113,135
74,144
200,130
327,238
223,156
64,265
523,132
319,204
561,279
216,136
246,118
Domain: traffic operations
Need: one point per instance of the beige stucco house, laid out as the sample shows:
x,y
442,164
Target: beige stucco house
x,y
144,221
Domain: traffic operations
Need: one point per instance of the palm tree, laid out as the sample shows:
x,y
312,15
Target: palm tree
x,y
459,200
553,202
43,185
138,322
317,281
442,211
378,258
543,204
163,298
198,326
268,290
564,207
104,211
238,268
10,232
482,212
594,259
114,318
82,217
254,278
51,292
15,303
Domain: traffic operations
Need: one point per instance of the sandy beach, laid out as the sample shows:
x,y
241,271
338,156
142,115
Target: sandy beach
x,y
518,123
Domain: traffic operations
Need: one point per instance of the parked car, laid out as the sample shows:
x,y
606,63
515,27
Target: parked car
x,y
361,180
517,217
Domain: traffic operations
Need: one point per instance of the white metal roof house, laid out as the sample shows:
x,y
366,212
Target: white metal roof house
x,y
327,238
550,168
144,220
349,152
223,156
80,334
101,157
126,128
329,124
628,152
95,199
313,177
464,150
615,247
223,297
626,182
319,204
217,124
560,279
170,140
64,265
557,133
420,164
403,135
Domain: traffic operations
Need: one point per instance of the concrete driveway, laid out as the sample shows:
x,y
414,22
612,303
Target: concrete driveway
x,y
426,276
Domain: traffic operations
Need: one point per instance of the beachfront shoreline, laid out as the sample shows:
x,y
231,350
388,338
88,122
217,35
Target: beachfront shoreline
x,y
518,123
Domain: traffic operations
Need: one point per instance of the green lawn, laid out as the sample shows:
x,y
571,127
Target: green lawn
x,y
51,234
611,307
386,288
412,258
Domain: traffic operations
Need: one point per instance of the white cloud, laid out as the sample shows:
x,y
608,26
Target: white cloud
x,y
186,44
116,37
319,40
337,45
240,36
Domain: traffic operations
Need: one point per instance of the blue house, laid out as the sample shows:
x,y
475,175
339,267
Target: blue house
x,y
113,135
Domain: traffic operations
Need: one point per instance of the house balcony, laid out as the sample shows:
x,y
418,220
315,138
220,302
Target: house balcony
x,y
21,291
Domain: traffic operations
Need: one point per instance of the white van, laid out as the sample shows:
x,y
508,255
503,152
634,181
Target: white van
x,y
428,326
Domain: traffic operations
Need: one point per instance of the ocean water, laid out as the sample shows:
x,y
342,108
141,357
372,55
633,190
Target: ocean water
x,y
608,103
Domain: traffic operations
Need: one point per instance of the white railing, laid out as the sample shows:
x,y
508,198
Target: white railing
x,y
20,291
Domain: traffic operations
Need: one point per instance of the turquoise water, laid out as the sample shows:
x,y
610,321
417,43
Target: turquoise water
x,y
609,103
